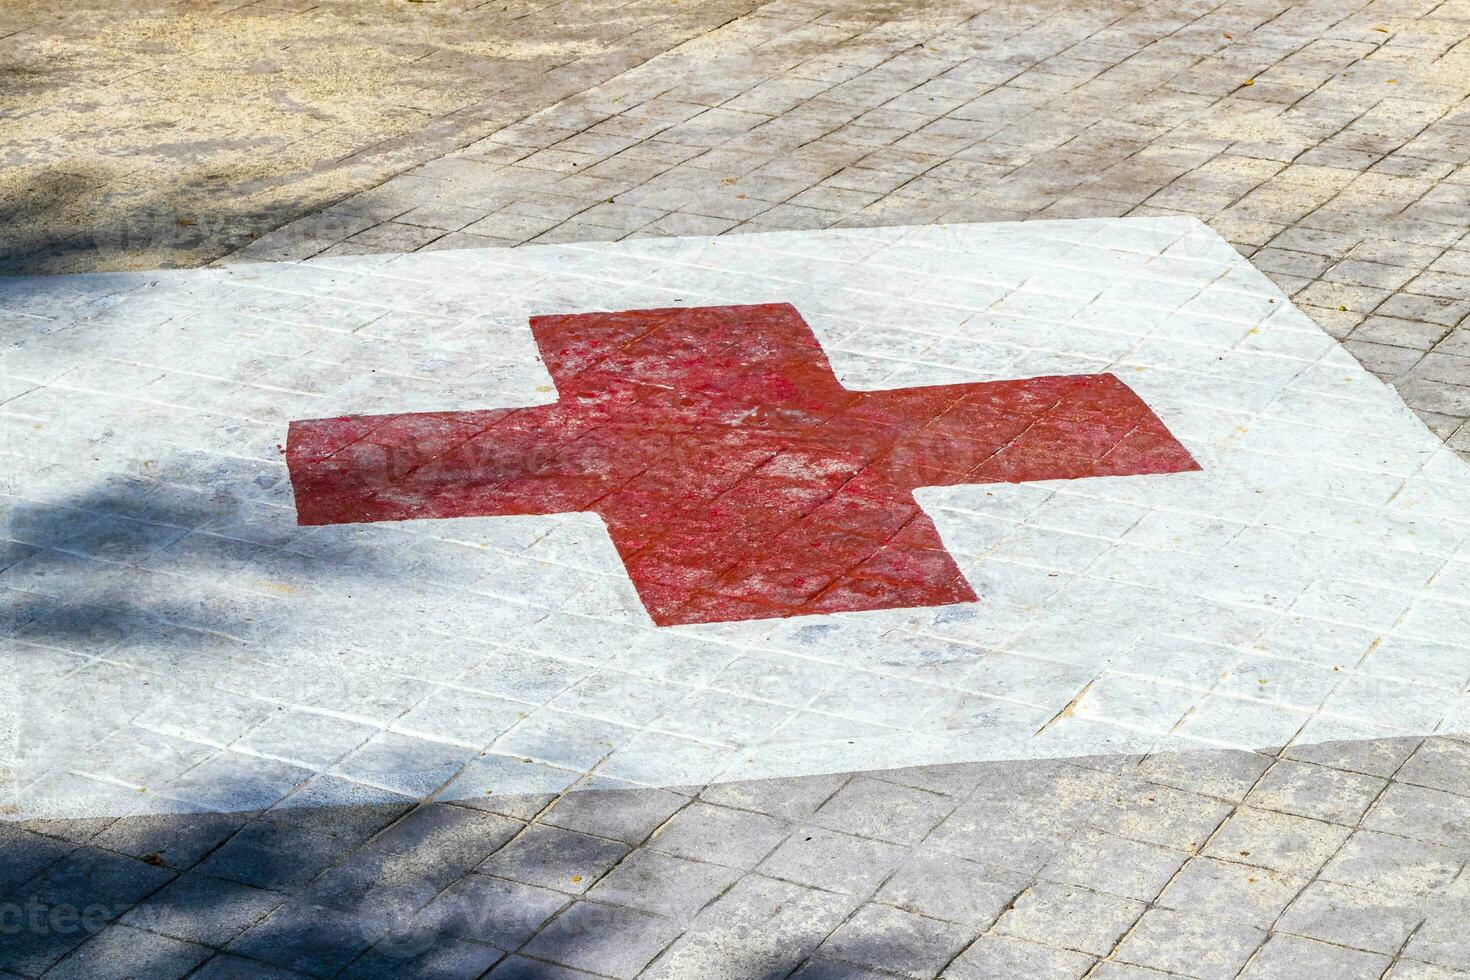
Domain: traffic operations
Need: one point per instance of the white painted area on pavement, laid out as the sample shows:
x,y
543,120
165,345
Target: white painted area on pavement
x,y
181,645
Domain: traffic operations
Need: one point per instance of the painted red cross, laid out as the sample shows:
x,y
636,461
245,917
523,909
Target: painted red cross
x,y
737,477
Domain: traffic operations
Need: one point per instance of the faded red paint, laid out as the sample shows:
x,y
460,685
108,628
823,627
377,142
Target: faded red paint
x,y
737,477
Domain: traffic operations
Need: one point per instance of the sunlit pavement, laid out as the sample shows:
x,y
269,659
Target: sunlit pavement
x,y
902,590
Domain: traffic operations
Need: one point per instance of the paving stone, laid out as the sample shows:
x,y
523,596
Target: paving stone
x,y
1375,757
448,959
1415,970
1231,892
200,909
307,938
1441,938
614,941
1114,865
792,799
97,883
520,968
493,911
836,862
26,855
1439,764
888,938
256,856
120,952
226,967
1351,917
1071,917
628,815
870,808
1281,842
1421,814
761,926
835,970
997,957
663,885
1288,956
1383,862
721,835
1180,942
1160,815
1312,791
942,886
556,859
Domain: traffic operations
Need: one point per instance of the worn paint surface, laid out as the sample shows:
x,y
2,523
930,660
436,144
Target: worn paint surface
x,y
737,477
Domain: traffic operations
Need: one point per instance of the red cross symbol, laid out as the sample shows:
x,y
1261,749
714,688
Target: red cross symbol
x,y
737,477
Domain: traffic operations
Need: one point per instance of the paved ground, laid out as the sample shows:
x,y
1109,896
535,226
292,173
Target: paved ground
x,y
143,135
368,725
1339,169
1327,140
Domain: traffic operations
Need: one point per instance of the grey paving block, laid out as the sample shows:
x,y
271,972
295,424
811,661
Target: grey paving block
x,y
1017,837
179,840
25,855
1441,939
1406,969
1286,957
201,909
1334,913
788,799
725,836
1225,775
274,855
1160,815
445,959
823,969
832,861
943,886
1069,917
1385,863
1196,946
308,939
1005,958
520,968
760,927
870,808
1422,814
97,883
664,885
1315,791
614,941
1374,757
493,910
557,859
628,815
446,836
1231,892
1275,841
120,953
1115,865
226,967
897,941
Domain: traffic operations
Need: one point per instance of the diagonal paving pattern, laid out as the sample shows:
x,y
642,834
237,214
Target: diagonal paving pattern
x,y
1328,141
1340,169
227,805
141,134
